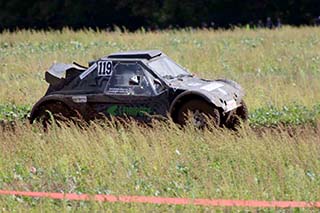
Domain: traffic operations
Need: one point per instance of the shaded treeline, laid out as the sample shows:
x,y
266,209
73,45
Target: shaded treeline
x,y
153,14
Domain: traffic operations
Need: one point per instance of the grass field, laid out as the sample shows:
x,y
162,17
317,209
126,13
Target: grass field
x,y
279,69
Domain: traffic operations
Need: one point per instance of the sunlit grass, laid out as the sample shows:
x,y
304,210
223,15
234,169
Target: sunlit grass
x,y
162,161
277,68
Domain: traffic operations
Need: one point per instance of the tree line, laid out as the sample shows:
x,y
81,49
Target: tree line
x,y
153,14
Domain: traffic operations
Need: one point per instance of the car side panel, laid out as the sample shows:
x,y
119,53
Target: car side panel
x,y
142,108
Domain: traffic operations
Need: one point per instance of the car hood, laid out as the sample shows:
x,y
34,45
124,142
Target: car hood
x,y
220,91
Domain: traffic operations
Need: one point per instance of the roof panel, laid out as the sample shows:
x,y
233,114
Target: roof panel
x,y
144,54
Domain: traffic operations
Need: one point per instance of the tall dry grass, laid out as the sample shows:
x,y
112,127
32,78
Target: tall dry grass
x,y
159,161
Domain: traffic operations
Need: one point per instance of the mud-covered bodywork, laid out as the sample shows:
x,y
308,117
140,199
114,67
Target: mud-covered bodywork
x,y
139,84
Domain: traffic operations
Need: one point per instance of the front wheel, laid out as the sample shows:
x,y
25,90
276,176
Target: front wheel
x,y
198,113
238,116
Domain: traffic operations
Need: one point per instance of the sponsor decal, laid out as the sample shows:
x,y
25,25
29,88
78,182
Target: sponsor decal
x,y
118,90
222,91
79,99
128,110
194,84
211,86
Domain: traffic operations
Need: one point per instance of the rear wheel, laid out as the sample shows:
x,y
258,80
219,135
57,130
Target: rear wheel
x,y
198,113
56,111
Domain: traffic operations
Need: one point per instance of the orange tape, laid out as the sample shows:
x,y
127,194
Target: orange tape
x,y
167,200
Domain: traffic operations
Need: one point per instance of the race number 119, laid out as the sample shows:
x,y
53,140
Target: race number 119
x,y
104,68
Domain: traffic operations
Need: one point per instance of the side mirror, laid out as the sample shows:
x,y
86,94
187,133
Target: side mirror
x,y
134,80
157,82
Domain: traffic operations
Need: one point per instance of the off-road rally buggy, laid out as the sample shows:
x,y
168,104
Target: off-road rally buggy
x,y
143,85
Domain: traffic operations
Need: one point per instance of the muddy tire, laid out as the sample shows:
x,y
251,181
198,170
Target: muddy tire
x,y
238,116
243,112
57,111
199,113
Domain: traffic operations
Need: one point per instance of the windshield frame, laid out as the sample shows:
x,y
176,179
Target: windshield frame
x,y
168,75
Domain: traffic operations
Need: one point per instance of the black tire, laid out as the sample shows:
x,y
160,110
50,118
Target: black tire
x,y
56,110
242,112
238,116
199,113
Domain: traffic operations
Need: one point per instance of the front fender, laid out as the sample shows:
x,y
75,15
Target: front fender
x,y
192,94
235,85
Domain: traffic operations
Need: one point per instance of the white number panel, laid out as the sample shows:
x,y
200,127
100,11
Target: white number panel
x,y
104,68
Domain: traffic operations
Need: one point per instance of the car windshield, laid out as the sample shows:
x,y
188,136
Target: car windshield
x,y
166,68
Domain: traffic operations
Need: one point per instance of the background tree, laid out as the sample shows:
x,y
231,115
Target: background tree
x,y
133,14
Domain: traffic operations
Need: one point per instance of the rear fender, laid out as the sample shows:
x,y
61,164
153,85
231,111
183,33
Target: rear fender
x,y
42,102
